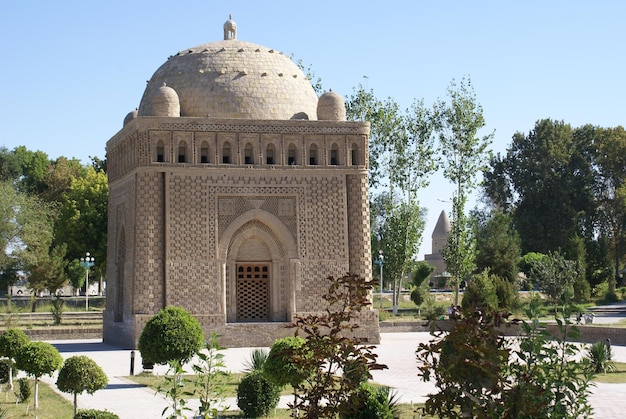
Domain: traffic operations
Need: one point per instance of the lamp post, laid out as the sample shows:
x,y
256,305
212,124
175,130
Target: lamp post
x,y
87,262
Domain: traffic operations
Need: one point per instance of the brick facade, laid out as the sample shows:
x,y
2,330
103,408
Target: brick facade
x,y
182,221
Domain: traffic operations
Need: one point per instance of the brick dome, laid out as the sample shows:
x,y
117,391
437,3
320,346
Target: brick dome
x,y
233,79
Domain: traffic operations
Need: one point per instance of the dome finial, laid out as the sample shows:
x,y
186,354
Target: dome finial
x,y
230,28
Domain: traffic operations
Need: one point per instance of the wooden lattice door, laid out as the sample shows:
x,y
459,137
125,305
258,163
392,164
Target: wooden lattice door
x,y
253,293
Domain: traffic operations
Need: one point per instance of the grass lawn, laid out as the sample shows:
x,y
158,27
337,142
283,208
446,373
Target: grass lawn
x,y
51,405
613,377
152,381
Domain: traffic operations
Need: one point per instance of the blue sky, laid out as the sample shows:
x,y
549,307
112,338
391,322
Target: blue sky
x,y
71,70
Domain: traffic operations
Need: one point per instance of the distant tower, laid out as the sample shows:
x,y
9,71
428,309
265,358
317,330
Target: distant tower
x,y
439,239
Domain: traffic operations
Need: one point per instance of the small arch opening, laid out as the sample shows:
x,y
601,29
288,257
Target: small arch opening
x,y
248,154
226,156
334,154
160,152
354,155
313,155
292,152
270,154
182,152
204,153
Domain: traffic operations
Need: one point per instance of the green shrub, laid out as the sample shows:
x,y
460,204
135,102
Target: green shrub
x,y
419,295
375,403
95,414
24,390
600,358
56,309
280,367
257,395
433,312
506,292
480,293
257,360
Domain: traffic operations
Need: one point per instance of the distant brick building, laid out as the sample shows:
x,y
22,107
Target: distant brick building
x,y
234,192
440,235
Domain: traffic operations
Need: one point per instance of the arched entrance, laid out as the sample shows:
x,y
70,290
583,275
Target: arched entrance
x,y
258,279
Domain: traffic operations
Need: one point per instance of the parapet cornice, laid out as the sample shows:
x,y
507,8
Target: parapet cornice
x,y
183,124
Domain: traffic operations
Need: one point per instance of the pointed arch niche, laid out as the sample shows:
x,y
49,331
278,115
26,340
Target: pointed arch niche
x,y
120,261
258,249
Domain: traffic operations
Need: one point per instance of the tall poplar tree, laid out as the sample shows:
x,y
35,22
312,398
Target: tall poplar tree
x,y
465,156
402,159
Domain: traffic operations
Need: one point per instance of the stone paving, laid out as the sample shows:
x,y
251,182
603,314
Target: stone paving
x,y
397,351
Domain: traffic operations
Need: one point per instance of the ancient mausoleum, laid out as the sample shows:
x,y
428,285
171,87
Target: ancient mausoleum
x,y
234,191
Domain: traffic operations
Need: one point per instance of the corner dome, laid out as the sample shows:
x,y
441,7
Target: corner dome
x,y
130,116
233,79
331,107
164,102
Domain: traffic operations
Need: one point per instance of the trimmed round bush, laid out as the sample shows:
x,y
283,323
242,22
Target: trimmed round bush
x,y
281,367
257,395
95,414
171,335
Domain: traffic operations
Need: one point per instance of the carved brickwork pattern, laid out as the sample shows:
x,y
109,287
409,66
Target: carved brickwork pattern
x,y
282,207
188,218
195,285
358,223
149,252
277,128
314,284
324,204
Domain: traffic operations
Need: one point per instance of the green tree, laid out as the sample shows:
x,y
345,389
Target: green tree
x,y
481,294
78,374
37,359
11,342
385,123
58,178
465,155
610,160
171,335
10,167
405,224
555,276
49,272
76,274
550,181
82,222
34,165
577,252
421,271
402,157
498,246
26,228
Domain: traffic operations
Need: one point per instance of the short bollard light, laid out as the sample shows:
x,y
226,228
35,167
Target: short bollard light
x,y
132,362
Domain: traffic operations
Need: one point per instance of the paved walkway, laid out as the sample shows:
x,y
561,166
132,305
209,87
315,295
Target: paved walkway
x,y
397,351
